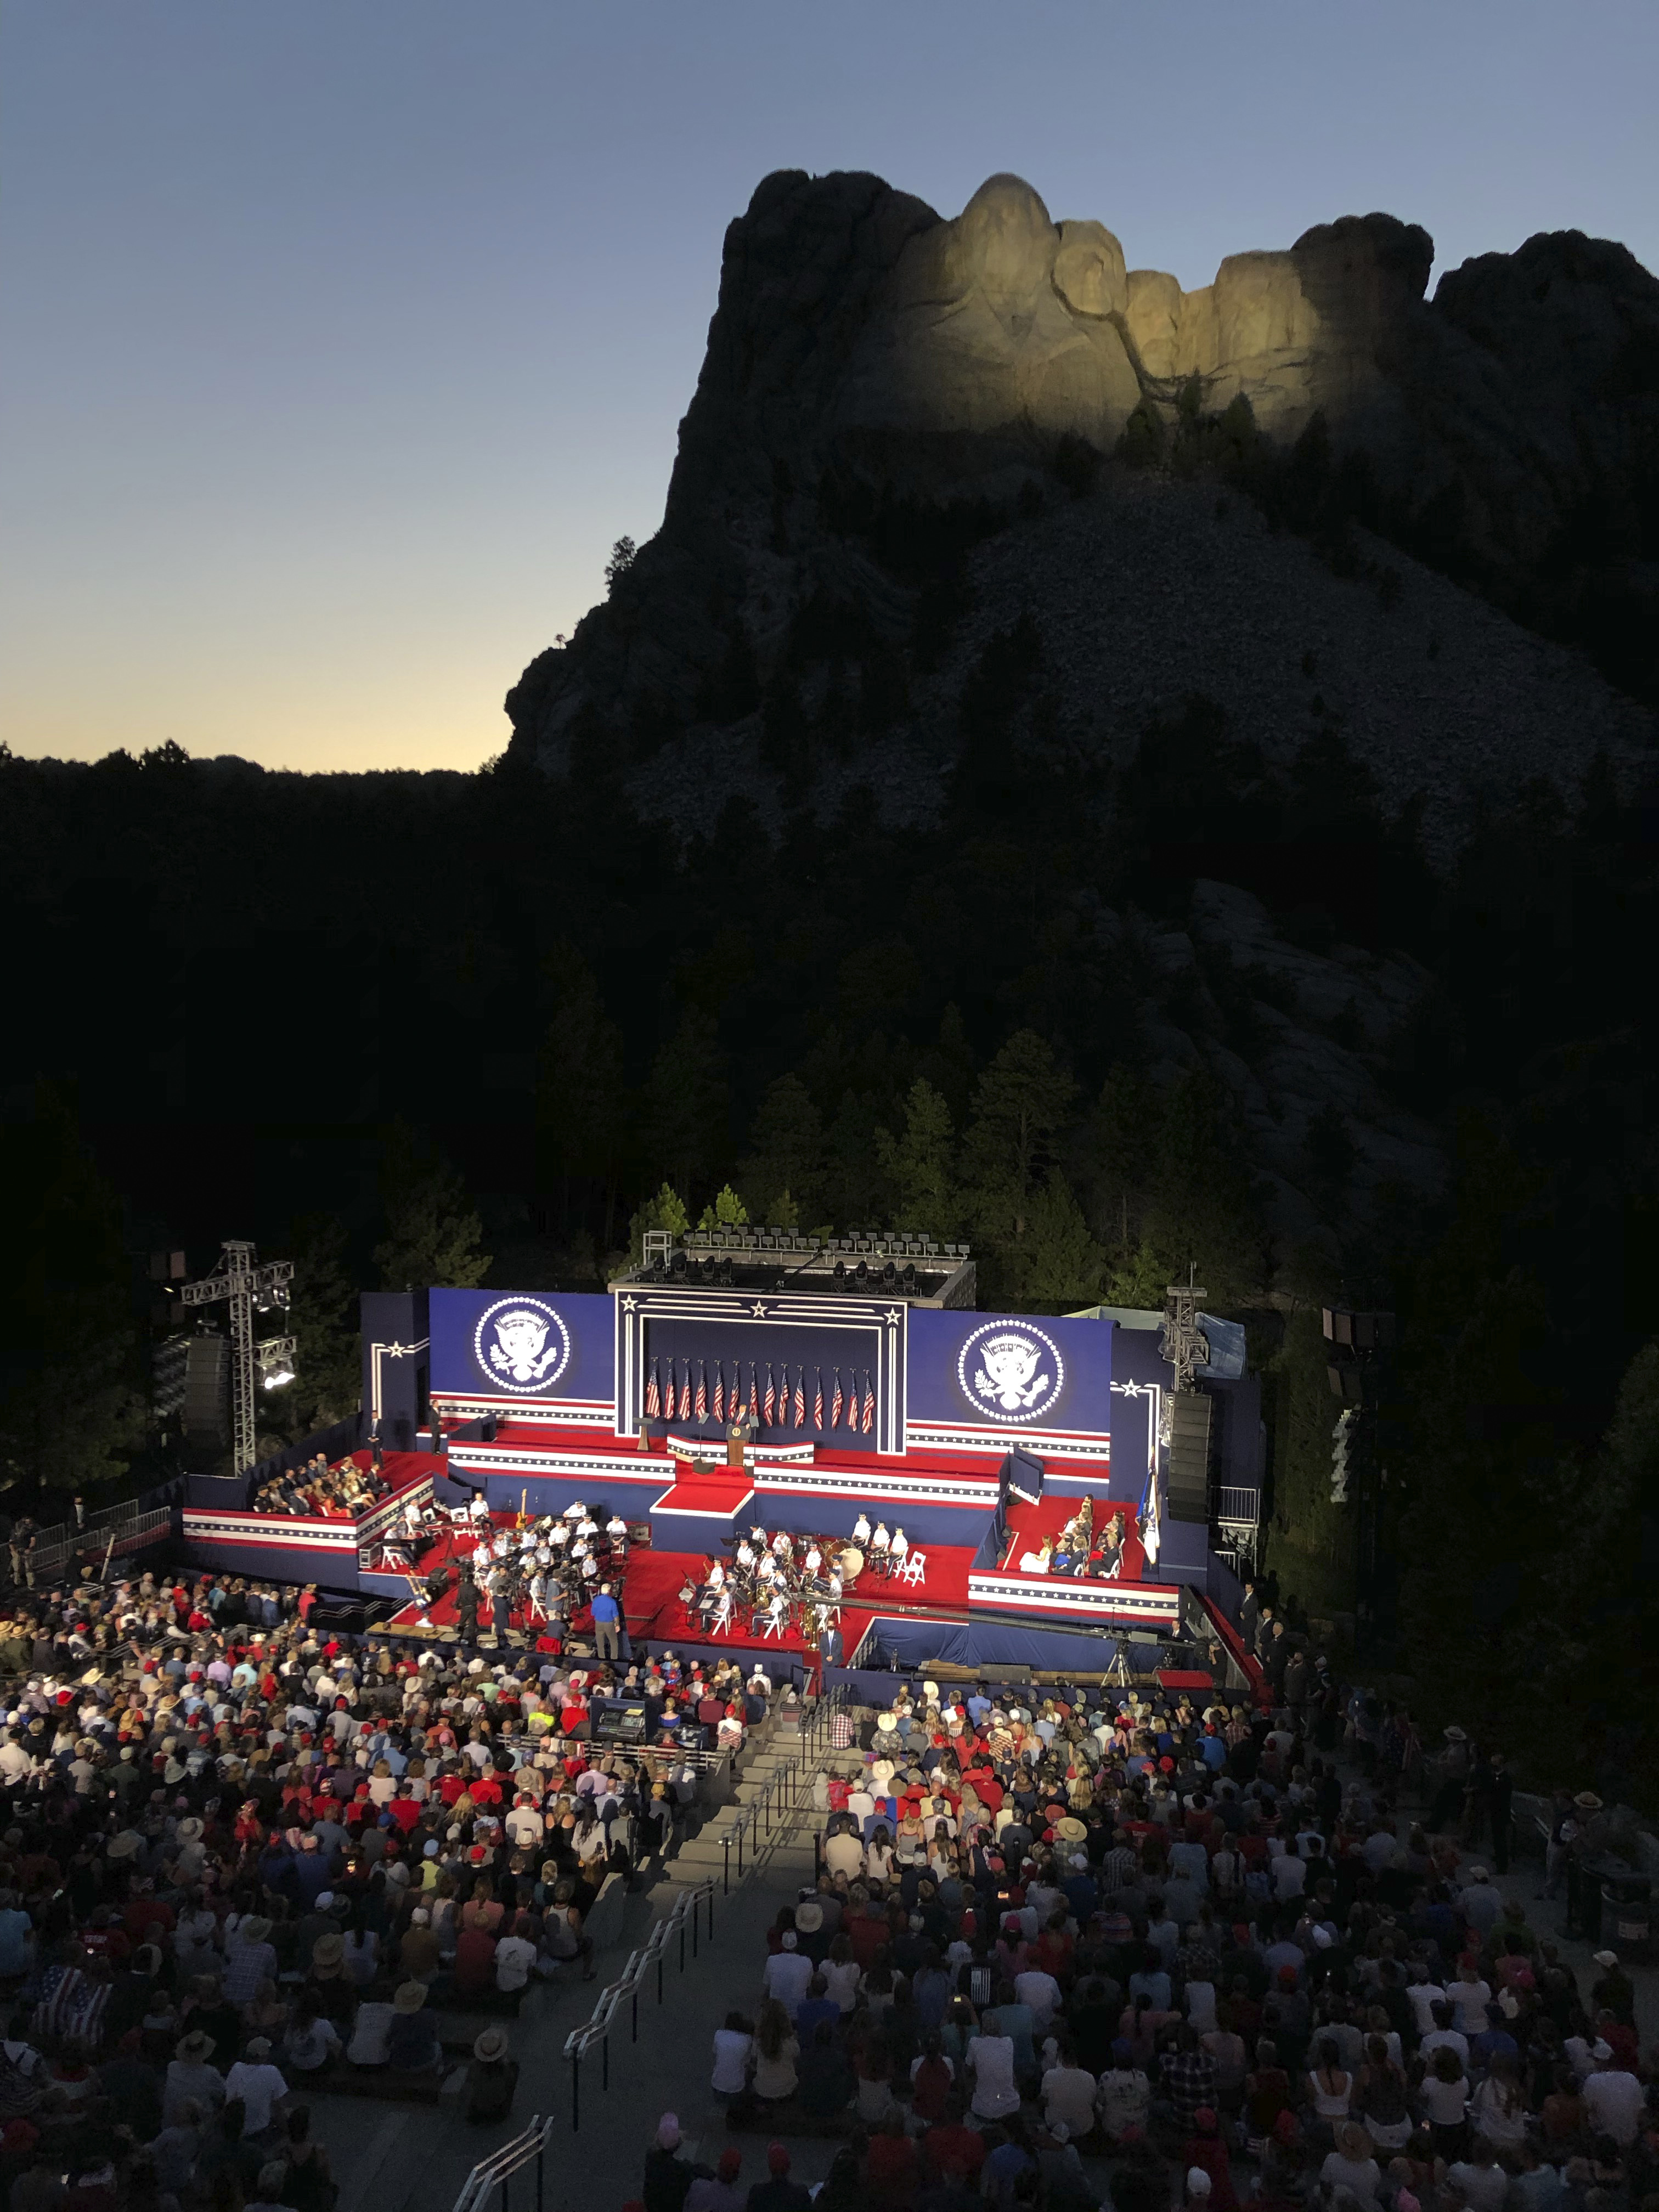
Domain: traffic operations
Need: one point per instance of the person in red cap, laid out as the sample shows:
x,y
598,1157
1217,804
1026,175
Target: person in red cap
x,y
720,2191
777,2193
1204,2148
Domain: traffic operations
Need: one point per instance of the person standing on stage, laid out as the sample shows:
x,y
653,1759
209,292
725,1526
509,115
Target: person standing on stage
x,y
607,1624
741,1432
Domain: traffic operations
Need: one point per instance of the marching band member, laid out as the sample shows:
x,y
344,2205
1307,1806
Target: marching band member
x,y
862,1530
897,1548
880,1545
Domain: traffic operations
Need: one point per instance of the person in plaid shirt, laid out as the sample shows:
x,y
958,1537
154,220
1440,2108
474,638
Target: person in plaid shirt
x,y
1189,2081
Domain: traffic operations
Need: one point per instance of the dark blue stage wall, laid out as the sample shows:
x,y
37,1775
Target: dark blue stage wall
x,y
980,1382
527,1353
745,1356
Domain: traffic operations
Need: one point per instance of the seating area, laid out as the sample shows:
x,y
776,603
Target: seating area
x,y
1077,1926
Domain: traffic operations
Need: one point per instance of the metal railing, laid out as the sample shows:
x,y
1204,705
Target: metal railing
x,y
751,1833
496,2172
667,1933
772,1812
1237,1507
113,1532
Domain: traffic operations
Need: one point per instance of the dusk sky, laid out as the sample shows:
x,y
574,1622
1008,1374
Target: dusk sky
x,y
339,340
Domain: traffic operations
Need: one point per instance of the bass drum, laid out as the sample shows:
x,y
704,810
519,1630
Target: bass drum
x,y
852,1563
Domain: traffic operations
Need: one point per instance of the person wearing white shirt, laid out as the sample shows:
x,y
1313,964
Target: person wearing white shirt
x,y
861,1529
515,1956
1041,1993
1290,1877
1615,2102
1423,1997
257,2083
1470,1995
1069,2096
786,1973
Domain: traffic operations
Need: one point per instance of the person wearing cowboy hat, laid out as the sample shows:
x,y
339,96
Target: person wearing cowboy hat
x,y
1453,1767
191,2076
492,2077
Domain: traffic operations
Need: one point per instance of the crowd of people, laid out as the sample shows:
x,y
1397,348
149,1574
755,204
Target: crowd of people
x,y
317,1490
240,1857
1174,1937
1080,1548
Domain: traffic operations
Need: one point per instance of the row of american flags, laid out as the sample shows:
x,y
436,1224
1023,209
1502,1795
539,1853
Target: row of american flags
x,y
675,1396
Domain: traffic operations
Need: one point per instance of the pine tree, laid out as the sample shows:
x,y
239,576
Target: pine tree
x,y
434,1235
727,1212
920,1164
328,1380
581,1100
1020,1103
787,1157
72,1411
1056,1266
685,1106
664,1210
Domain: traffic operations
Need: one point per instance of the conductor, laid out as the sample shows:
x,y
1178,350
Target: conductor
x,y
741,1430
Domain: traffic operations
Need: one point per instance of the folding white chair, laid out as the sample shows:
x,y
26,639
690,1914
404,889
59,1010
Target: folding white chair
x,y
776,1624
915,1568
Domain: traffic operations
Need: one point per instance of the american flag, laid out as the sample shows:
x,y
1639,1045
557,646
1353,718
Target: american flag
x,y
719,1392
754,1389
653,1395
817,1399
702,1393
834,1403
769,1403
685,1393
801,1399
869,1406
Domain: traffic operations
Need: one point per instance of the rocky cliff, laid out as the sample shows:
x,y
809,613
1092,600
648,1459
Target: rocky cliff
x,y
896,443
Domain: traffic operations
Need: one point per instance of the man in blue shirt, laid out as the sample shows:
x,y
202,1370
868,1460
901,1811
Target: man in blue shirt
x,y
607,1624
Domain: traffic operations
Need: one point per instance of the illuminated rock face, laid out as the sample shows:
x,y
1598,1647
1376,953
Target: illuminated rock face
x,y
869,357
1001,318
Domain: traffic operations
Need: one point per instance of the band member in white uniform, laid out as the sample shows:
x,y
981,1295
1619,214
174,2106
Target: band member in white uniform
x,y
880,1545
861,1531
897,1548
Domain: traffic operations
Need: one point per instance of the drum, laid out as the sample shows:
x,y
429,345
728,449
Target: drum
x,y
852,1563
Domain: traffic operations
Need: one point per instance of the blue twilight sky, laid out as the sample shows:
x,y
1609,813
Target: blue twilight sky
x,y
339,338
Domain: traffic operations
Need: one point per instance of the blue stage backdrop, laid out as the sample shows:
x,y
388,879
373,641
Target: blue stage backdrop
x,y
980,1381
744,1355
532,1355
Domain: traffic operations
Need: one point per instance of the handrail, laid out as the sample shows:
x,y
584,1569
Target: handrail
x,y
510,2158
761,1818
596,2027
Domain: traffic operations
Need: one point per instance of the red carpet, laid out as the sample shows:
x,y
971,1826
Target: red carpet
x,y
721,1492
